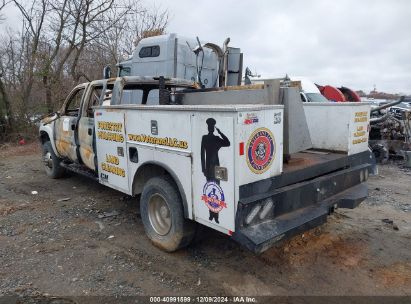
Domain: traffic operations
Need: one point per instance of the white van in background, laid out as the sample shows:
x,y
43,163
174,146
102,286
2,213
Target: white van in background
x,y
308,90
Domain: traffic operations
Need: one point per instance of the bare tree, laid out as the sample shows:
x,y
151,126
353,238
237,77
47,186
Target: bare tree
x,y
61,42
96,18
6,114
3,4
119,41
34,18
142,25
62,35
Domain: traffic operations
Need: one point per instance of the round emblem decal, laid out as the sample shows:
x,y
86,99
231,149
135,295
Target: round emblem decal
x,y
213,197
260,150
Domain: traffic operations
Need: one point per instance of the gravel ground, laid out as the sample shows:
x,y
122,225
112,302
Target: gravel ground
x,y
76,237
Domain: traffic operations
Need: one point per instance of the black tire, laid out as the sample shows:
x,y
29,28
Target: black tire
x,y
179,232
52,162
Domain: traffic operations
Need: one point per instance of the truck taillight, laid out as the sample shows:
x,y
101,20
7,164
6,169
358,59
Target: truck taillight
x,y
264,209
241,148
363,175
252,214
267,208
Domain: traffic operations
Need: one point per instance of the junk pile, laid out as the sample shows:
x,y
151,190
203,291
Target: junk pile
x,y
390,133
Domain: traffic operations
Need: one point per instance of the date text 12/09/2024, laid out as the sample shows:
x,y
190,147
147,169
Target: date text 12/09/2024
x,y
203,299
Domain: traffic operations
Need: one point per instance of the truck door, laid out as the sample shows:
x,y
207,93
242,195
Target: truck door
x,y
111,149
86,134
66,125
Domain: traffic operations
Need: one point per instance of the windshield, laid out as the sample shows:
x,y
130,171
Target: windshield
x,y
315,97
124,71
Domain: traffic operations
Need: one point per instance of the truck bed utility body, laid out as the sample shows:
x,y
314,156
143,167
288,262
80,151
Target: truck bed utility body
x,y
232,166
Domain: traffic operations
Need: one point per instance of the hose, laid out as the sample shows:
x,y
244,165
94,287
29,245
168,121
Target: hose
x,y
379,119
388,104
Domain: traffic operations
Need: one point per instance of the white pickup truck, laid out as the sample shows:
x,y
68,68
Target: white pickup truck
x,y
206,156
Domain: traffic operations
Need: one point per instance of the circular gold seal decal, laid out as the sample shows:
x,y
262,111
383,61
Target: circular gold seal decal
x,y
260,150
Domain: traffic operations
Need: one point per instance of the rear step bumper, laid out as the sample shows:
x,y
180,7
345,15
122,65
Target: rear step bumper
x,y
297,208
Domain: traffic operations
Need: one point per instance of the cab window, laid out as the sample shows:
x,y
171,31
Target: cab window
x,y
95,96
140,94
133,96
124,71
149,51
74,103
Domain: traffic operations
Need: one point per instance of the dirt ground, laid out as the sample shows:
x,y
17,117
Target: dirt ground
x,y
77,237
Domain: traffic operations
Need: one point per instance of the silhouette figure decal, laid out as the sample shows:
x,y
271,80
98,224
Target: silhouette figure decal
x,y
213,194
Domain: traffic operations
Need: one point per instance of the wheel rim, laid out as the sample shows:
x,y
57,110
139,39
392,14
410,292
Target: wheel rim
x,y
48,161
159,214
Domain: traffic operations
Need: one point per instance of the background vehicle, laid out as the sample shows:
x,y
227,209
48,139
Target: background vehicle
x,y
208,64
308,90
175,56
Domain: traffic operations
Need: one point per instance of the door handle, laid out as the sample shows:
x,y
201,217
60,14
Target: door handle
x,y
90,131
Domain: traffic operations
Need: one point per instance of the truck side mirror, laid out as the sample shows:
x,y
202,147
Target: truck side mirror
x,y
107,72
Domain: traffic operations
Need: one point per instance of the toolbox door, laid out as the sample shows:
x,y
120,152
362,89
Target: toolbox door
x,y
213,170
111,149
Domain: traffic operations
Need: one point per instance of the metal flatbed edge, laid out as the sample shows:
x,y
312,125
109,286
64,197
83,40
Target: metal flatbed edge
x,y
335,104
199,108
312,166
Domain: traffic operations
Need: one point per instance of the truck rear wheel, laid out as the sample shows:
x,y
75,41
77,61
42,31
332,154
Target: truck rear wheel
x,y
51,162
161,209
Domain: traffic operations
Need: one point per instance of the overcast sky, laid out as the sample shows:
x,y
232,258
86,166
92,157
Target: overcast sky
x,y
352,43
345,42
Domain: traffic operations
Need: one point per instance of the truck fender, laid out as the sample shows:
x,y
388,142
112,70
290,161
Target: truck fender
x,y
151,169
46,134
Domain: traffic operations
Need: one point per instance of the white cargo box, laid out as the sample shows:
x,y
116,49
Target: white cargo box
x,y
339,126
238,143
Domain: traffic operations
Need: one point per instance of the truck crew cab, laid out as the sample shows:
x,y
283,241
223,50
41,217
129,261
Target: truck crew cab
x,y
240,160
